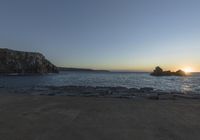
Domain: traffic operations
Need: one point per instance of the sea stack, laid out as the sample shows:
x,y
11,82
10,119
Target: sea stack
x,y
159,72
20,62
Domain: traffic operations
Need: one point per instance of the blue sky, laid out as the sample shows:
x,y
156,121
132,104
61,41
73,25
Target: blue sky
x,y
105,34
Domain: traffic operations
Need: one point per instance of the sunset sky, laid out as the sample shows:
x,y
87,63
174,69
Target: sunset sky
x,y
134,35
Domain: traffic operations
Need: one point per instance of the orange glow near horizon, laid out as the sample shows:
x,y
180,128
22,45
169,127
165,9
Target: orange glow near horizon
x,y
188,69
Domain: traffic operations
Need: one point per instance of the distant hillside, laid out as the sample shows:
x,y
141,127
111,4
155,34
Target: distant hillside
x,y
80,70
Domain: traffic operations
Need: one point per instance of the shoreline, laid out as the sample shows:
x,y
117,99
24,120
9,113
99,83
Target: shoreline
x,y
105,92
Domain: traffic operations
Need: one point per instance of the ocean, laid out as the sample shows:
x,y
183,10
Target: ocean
x,y
188,84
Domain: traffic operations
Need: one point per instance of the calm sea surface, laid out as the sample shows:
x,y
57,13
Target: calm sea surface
x,y
131,80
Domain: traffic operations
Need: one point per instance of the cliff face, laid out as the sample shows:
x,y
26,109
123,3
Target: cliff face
x,y
24,62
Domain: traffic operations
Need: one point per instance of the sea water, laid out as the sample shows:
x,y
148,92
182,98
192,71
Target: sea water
x,y
187,84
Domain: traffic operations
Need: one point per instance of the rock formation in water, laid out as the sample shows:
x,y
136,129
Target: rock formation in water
x,y
159,72
19,62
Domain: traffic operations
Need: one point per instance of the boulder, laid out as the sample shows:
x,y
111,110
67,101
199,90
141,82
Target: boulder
x,y
19,62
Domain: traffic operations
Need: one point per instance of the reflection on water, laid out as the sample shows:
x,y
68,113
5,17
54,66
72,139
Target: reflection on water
x,y
136,80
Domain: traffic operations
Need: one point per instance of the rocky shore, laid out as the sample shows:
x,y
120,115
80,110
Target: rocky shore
x,y
107,92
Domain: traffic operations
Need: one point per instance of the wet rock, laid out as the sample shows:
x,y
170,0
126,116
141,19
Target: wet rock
x,y
166,97
152,96
119,89
146,89
51,94
184,96
104,91
102,88
134,90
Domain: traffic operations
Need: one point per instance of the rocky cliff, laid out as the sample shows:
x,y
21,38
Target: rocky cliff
x,y
12,61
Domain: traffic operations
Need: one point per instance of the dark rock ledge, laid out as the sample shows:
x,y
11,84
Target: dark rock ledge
x,y
110,92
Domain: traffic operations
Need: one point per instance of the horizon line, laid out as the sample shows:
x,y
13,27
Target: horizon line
x,y
118,70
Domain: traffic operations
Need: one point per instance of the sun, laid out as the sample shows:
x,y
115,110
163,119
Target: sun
x,y
188,70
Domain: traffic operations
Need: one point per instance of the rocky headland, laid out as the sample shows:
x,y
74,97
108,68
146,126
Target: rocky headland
x,y
159,72
19,62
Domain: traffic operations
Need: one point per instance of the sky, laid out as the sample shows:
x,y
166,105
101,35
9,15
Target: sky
x,y
130,35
